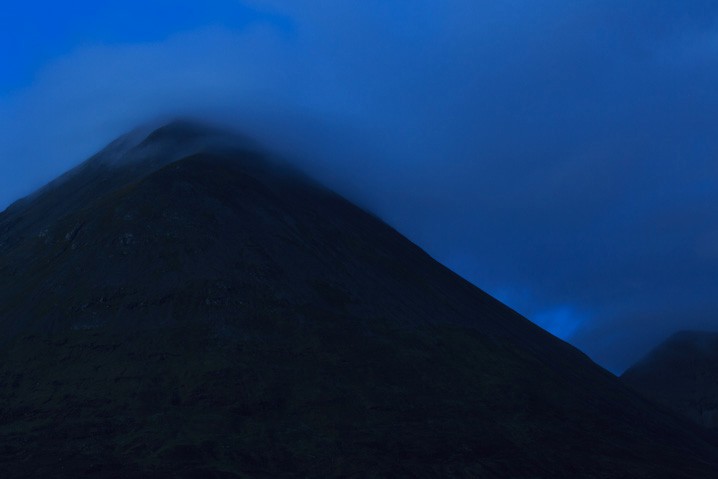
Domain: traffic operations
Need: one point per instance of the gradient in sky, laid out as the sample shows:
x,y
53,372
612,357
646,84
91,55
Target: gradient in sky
x,y
561,155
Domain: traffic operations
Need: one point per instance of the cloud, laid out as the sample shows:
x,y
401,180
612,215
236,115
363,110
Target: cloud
x,y
558,154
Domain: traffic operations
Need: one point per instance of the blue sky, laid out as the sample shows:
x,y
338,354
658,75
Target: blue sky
x,y
560,154
34,33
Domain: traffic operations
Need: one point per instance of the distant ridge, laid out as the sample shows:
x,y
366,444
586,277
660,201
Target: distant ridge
x,y
682,373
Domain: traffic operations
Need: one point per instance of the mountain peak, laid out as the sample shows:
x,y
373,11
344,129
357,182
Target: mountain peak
x,y
182,129
168,142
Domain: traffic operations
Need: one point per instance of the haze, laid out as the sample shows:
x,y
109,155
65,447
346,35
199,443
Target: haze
x,y
561,155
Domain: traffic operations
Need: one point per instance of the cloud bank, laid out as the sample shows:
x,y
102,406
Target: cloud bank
x,y
560,155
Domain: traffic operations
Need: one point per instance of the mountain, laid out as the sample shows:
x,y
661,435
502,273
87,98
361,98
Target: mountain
x,y
184,305
682,373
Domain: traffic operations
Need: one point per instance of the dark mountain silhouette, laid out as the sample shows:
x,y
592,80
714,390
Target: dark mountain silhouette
x,y
183,305
682,373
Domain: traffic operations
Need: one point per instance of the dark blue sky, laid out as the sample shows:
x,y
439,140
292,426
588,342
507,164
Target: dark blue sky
x,y
561,154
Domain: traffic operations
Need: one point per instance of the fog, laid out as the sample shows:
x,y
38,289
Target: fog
x,y
560,155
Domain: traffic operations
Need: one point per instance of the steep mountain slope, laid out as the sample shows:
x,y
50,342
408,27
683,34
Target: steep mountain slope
x,y
181,305
682,373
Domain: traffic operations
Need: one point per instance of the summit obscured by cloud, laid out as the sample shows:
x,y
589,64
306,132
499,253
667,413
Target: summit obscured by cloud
x,y
560,155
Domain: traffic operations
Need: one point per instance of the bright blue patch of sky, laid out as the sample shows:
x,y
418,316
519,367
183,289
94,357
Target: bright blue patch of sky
x,y
562,322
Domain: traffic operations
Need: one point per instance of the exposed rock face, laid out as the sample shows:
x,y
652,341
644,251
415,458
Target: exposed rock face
x,y
682,373
182,306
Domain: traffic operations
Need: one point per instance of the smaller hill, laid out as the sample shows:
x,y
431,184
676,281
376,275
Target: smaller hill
x,y
682,373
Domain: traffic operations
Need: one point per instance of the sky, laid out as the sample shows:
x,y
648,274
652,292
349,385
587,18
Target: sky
x,y
562,155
